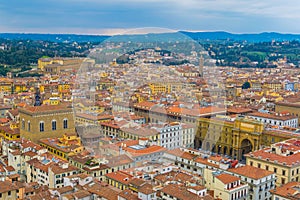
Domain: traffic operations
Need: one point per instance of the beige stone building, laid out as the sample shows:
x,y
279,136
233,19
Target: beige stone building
x,y
46,121
293,108
225,186
8,191
282,158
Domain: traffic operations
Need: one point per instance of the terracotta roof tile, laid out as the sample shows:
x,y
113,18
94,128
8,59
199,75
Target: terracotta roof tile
x,y
227,178
251,172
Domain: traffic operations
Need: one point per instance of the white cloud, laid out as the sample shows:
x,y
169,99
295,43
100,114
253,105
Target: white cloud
x,y
230,15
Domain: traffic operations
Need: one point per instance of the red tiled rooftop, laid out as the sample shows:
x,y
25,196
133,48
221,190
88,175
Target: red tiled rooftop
x,y
227,178
290,191
251,172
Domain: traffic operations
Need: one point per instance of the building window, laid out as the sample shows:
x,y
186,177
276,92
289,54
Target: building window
x,y
65,123
283,172
42,126
267,167
53,125
28,123
275,170
23,124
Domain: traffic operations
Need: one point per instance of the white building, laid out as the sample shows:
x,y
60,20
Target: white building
x,y
277,119
174,135
170,136
260,181
48,171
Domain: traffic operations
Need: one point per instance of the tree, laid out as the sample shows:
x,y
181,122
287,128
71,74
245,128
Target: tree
x,y
246,85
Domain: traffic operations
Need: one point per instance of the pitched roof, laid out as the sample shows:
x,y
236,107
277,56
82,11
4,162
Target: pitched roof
x,y
251,172
290,191
7,186
181,192
120,176
227,178
46,108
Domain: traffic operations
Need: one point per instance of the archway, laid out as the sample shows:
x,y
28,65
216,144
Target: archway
x,y
230,152
207,146
246,147
219,149
213,149
225,150
200,144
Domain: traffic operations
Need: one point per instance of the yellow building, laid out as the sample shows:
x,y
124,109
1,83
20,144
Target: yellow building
x,y
64,147
57,64
6,85
46,121
281,158
52,101
10,132
8,191
227,137
42,62
165,87
20,87
235,138
42,88
63,87
273,85
119,179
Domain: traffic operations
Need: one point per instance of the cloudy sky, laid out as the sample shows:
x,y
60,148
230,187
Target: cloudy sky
x,y
115,16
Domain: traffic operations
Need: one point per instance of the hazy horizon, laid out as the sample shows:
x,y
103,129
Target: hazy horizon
x,y
116,16
124,32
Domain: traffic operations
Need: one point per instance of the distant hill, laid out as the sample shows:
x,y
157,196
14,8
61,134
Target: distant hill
x,y
220,35
259,37
54,37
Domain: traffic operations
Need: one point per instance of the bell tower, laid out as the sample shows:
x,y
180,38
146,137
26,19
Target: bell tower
x,y
37,99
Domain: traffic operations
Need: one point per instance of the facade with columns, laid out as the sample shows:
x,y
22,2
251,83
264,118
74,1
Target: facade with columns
x,y
232,138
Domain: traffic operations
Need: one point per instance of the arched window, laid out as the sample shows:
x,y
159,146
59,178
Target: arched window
x,y
28,125
65,123
42,126
23,124
53,125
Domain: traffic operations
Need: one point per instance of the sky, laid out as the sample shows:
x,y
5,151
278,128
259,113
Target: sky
x,y
116,16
